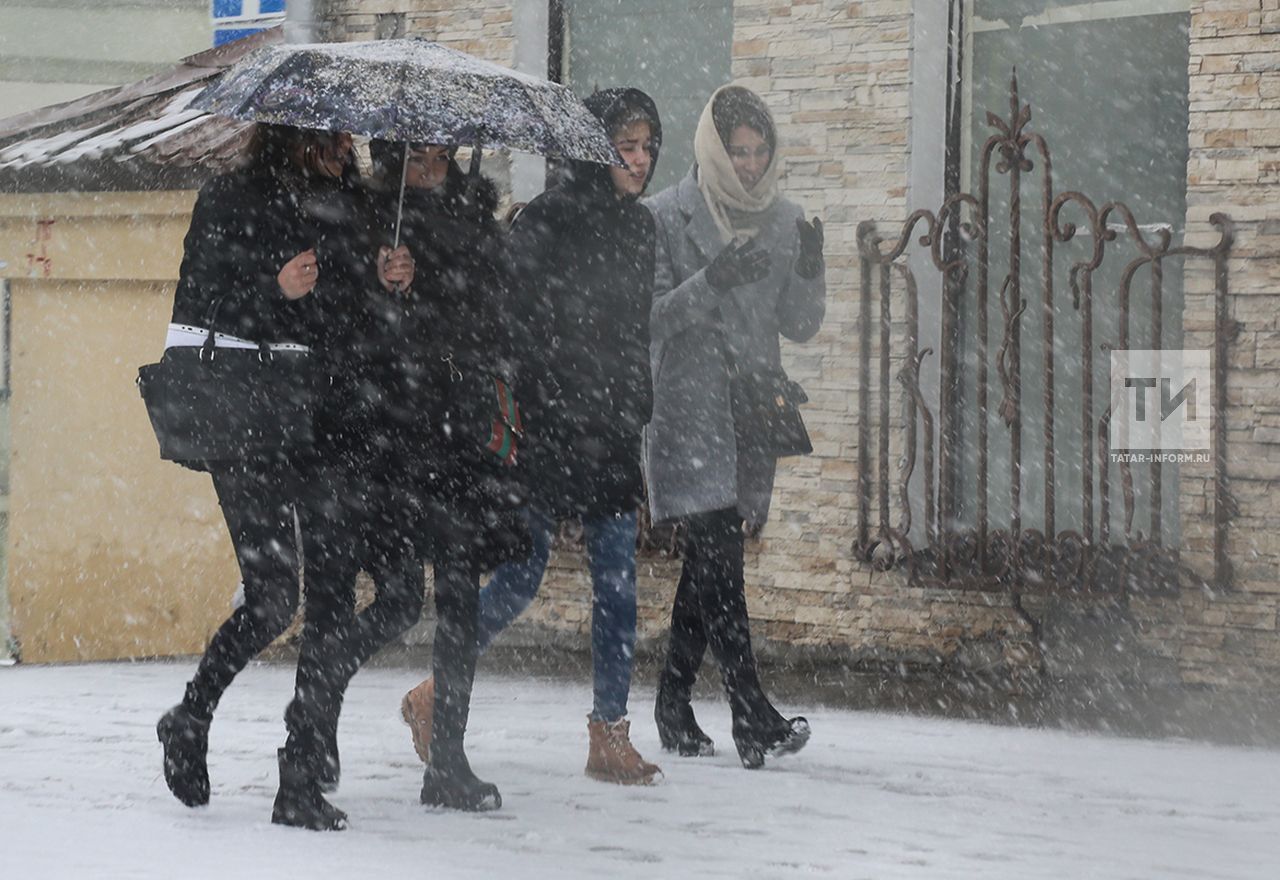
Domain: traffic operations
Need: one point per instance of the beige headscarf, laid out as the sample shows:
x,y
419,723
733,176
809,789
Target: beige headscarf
x,y
734,208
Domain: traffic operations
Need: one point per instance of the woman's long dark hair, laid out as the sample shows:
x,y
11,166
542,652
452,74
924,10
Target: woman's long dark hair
x,y
287,148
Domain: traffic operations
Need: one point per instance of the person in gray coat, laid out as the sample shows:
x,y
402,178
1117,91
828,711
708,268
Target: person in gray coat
x,y
736,265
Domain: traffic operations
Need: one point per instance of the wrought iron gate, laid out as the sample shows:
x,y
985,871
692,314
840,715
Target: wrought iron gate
x,y
918,530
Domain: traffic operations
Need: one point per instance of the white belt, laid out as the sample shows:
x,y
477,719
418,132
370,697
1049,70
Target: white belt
x,y
181,335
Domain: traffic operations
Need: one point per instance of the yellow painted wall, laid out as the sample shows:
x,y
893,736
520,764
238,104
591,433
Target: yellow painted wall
x,y
113,553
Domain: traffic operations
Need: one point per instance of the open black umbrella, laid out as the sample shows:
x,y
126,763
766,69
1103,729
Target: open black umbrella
x,y
408,90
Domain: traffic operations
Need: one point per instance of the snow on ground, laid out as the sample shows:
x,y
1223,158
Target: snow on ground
x,y
874,795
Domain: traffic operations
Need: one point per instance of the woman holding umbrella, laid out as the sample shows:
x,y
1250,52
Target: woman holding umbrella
x,y
737,265
418,485
582,259
266,259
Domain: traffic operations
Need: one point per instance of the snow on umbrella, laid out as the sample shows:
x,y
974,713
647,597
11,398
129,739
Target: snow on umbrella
x,y
408,90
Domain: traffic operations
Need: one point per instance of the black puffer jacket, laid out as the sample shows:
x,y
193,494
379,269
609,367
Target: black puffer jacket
x,y
431,482
582,261
245,226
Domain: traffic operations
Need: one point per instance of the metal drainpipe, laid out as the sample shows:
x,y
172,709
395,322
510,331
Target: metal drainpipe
x,y
300,25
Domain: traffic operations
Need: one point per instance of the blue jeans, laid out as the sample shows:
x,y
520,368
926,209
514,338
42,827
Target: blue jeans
x,y
611,556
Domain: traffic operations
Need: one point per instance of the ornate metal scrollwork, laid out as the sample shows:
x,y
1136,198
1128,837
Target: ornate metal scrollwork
x,y
937,548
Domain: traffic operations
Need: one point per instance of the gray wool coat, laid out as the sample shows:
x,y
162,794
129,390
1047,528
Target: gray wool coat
x,y
692,463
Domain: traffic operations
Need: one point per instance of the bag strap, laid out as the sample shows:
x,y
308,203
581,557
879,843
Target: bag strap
x,y
209,349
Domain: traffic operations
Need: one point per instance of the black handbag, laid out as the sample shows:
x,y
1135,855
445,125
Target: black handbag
x,y
766,410
216,404
766,414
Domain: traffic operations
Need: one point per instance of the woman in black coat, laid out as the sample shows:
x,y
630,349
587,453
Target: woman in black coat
x,y
268,258
418,382
581,257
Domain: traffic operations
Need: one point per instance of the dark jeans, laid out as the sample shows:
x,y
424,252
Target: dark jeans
x,y
710,609
611,556
258,503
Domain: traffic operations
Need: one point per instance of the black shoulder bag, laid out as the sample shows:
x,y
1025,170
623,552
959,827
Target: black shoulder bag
x,y
214,404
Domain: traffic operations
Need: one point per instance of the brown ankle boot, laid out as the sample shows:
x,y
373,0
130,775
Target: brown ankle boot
x,y
416,709
612,758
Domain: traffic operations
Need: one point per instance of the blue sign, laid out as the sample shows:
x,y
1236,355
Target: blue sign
x,y
233,19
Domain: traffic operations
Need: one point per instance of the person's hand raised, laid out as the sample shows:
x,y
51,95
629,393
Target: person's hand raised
x,y
298,277
395,268
809,262
737,265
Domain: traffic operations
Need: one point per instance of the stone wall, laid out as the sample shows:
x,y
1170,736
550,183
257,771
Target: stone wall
x,y
481,27
1231,637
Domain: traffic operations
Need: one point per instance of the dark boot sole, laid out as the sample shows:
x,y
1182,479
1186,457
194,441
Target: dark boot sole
x,y
485,803
482,798
331,819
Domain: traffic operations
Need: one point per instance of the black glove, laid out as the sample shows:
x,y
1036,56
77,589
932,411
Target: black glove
x,y
809,263
737,265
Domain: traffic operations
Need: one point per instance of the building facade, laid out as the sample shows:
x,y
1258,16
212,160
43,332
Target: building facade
x,y
1169,106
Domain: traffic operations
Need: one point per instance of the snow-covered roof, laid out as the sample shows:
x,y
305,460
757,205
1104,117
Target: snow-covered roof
x,y
137,136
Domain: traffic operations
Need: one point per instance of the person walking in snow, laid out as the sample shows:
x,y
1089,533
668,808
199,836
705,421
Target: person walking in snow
x,y
421,486
737,265
268,257
582,259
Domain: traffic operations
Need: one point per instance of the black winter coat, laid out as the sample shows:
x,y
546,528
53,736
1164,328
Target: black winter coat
x,y
245,226
582,260
437,488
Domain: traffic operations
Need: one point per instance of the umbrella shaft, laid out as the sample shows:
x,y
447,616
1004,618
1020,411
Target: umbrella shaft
x,y
404,175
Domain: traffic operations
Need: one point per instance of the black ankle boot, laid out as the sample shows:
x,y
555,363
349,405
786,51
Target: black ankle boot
x,y
678,729
185,739
756,742
449,782
299,802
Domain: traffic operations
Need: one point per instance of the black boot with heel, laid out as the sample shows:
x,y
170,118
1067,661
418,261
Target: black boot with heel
x,y
449,782
299,802
678,730
185,738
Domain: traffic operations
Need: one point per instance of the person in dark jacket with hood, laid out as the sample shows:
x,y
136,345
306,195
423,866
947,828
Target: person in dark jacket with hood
x,y
271,256
582,259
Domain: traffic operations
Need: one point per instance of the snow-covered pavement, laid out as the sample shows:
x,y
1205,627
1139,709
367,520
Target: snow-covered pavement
x,y
874,795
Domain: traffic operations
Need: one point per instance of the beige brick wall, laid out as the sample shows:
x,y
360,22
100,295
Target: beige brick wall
x,y
481,27
1231,638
